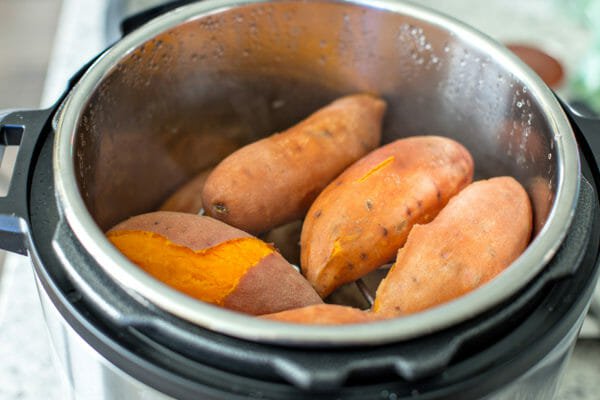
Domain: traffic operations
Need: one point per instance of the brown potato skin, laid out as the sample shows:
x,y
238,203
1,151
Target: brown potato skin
x,y
476,236
188,197
323,314
273,181
370,218
270,286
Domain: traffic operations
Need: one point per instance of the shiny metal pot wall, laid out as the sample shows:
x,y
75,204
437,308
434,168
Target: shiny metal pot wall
x,y
187,88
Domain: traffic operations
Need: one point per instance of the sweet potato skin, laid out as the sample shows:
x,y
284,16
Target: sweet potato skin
x,y
192,231
273,181
363,217
323,314
476,236
188,197
270,286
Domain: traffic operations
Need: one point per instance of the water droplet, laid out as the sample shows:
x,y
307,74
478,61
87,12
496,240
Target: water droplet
x,y
278,103
549,156
415,31
519,104
446,48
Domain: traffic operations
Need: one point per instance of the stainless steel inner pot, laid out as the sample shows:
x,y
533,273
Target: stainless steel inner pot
x,y
187,88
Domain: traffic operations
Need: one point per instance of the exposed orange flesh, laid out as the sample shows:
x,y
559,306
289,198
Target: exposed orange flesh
x,y
209,275
378,167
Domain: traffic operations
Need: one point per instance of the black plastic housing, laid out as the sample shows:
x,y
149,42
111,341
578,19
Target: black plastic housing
x,y
180,359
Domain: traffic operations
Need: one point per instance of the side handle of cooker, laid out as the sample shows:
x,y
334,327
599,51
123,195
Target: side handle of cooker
x,y
22,129
567,260
587,133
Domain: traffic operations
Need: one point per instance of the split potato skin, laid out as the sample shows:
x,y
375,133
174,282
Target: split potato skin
x,y
213,262
363,217
476,236
273,181
323,314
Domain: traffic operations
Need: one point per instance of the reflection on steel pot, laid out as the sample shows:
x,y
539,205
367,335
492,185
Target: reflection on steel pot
x,y
177,94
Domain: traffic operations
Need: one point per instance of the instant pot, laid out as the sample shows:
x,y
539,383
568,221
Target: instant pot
x,y
190,79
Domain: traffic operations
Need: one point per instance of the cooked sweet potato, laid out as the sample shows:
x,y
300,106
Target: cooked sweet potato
x,y
211,261
188,197
274,180
363,217
323,314
476,236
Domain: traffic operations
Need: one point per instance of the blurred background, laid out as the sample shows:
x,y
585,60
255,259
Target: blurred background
x,y
26,38
43,42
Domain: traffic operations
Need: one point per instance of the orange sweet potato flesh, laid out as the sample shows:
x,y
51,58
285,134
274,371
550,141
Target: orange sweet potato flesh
x,y
475,237
364,216
273,181
323,314
210,261
188,197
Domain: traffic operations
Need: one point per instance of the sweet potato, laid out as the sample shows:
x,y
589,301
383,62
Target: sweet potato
x,y
363,217
477,235
211,261
274,180
323,314
188,197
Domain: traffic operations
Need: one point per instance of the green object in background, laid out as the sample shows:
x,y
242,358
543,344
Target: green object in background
x,y
585,85
585,82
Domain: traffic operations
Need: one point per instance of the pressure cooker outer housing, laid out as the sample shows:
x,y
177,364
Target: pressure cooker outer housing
x,y
520,346
153,109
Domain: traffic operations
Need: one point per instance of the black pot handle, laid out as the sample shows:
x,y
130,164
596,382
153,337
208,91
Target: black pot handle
x,y
586,126
23,129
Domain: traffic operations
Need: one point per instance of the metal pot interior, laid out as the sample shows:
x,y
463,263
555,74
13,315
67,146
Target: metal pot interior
x,y
187,89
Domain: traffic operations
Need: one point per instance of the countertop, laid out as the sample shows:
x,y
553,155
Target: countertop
x,y
27,370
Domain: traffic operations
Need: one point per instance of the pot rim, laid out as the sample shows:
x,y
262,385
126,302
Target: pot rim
x,y
144,287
